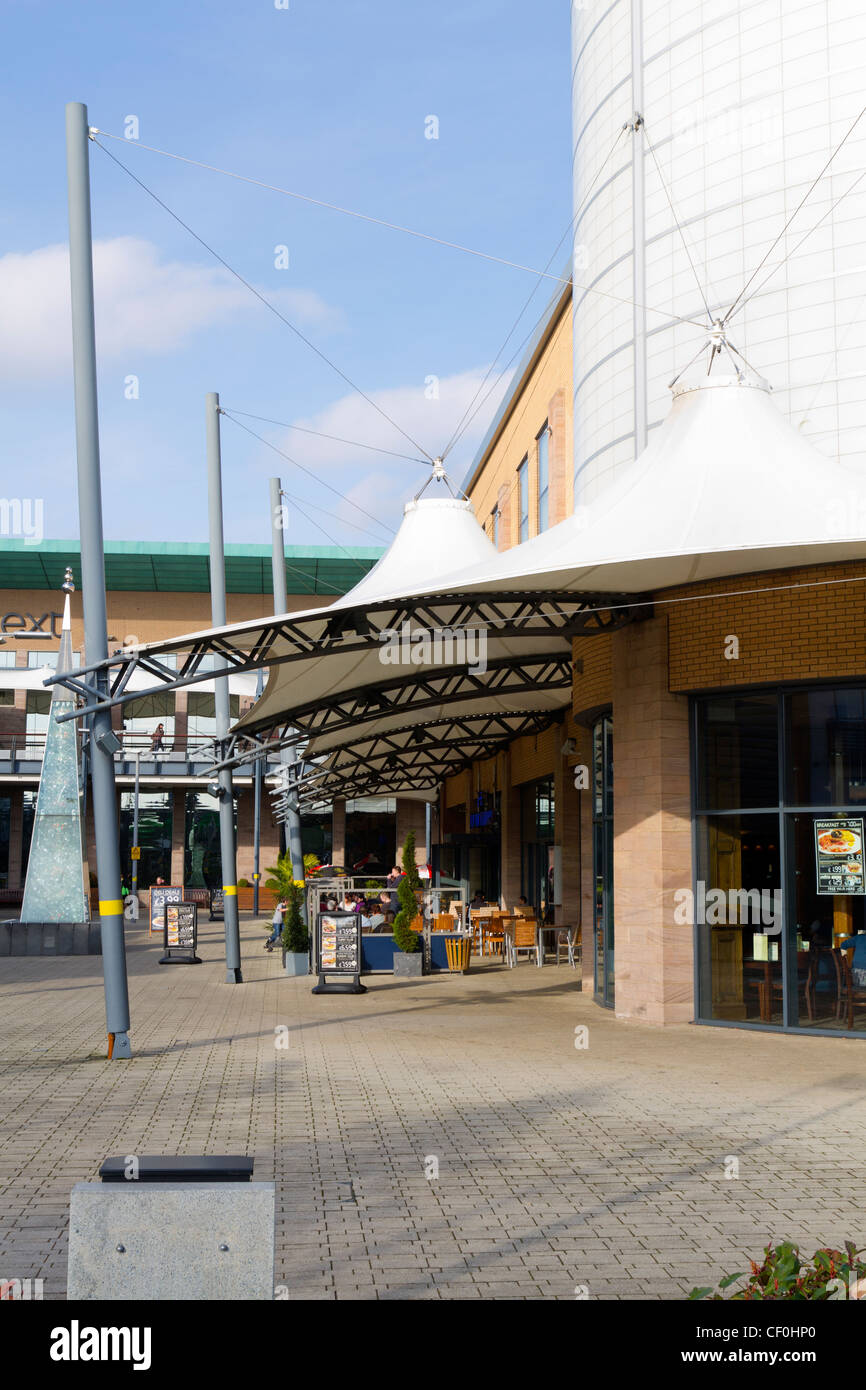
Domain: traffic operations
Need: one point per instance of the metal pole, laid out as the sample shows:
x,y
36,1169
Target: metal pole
x,y
135,822
221,691
257,816
288,756
103,742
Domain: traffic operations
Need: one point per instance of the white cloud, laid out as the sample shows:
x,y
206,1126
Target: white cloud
x,y
143,305
376,482
426,419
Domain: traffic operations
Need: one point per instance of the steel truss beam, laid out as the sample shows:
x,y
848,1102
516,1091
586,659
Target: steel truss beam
x,y
510,614
422,763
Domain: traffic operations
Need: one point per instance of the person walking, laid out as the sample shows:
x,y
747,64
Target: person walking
x,y
156,739
277,924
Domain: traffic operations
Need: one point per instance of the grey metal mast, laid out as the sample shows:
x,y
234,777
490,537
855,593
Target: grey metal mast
x,y
103,743
289,755
221,691
257,816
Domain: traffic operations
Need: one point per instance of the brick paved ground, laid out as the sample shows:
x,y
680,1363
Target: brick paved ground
x,y
558,1167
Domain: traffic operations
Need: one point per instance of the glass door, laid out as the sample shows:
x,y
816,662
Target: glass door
x,y
602,860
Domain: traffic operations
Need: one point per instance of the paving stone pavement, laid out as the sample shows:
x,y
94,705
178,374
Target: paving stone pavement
x,y
488,1157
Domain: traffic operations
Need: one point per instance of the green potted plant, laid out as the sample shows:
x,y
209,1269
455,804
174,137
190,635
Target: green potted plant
x,y
295,937
408,955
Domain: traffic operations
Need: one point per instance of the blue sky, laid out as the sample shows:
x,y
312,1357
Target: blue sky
x,y
329,99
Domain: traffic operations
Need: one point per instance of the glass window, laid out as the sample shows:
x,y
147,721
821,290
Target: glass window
x,y
602,860
738,762
767,957
523,500
202,860
495,515
142,718
201,714
154,836
38,715
543,482
5,818
7,660
7,697
737,897
28,817
827,747
38,658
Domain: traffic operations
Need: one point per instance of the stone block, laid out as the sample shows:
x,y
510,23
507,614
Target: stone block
x,y
5,938
94,939
171,1236
80,932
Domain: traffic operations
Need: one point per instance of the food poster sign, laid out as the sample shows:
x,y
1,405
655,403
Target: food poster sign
x,y
339,943
839,856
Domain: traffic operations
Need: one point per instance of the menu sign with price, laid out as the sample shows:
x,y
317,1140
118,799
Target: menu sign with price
x,y
839,856
217,902
180,934
338,952
159,896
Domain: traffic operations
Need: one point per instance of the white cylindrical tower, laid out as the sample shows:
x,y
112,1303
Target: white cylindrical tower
x,y
742,102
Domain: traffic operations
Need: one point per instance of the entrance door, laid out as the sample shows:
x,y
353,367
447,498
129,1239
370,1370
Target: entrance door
x,y
602,859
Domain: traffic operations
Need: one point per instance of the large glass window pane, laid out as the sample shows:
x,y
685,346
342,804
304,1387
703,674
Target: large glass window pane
x,y
201,714
38,714
602,859
5,817
543,478
738,914
154,836
824,916
142,718
738,752
827,755
202,858
523,500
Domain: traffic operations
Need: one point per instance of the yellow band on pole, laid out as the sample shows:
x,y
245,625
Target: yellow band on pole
x,y
231,889
111,907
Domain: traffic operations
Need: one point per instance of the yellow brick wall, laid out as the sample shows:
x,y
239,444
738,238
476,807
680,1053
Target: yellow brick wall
x,y
534,755
813,632
545,395
592,680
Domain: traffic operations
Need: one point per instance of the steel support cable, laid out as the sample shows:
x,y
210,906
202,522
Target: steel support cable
x,y
641,123
378,221
806,195
263,300
283,455
778,266
336,438
458,430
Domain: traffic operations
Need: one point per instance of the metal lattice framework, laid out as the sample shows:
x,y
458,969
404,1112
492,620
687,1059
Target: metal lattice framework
x,y
395,727
247,647
416,757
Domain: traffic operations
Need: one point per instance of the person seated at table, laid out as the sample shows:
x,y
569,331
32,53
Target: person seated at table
x,y
372,921
523,907
478,901
858,961
389,919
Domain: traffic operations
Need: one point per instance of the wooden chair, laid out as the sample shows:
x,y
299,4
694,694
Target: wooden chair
x,y
524,936
808,978
495,933
853,993
443,921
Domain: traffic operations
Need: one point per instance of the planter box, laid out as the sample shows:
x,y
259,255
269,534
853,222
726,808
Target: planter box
x,y
296,962
408,966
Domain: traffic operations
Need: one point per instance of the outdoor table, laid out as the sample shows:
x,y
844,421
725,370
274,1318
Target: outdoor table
x,y
541,928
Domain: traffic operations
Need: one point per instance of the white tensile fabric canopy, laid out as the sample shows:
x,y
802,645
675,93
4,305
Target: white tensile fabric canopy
x,y
726,486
